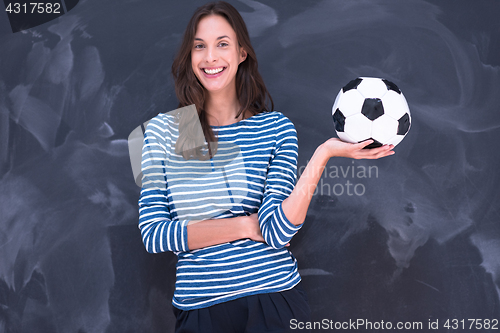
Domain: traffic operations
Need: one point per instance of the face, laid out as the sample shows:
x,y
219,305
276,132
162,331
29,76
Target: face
x,y
215,55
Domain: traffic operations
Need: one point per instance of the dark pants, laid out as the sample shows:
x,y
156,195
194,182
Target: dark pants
x,y
262,313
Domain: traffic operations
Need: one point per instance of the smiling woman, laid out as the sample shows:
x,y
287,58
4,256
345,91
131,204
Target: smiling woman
x,y
215,59
229,220
215,37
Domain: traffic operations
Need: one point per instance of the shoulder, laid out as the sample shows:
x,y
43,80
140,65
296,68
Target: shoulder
x,y
284,129
163,125
162,129
283,125
275,117
163,120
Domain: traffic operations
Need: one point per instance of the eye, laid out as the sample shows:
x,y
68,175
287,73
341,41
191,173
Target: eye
x,y
223,44
198,46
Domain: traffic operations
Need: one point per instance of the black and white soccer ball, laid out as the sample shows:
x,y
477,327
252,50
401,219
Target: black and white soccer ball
x,y
371,108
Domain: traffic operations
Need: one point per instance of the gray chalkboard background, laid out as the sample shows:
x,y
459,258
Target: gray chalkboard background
x,y
422,242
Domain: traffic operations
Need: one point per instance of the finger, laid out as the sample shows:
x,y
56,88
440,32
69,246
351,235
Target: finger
x,y
382,148
386,152
363,144
375,153
287,245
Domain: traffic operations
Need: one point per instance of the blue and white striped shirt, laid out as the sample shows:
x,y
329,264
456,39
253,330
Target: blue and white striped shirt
x,y
253,171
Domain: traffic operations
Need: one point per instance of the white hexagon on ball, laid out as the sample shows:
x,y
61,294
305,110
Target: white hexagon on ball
x,y
358,127
372,87
350,102
395,140
394,104
384,128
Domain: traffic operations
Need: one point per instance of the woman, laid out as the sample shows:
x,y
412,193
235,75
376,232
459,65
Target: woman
x,y
229,212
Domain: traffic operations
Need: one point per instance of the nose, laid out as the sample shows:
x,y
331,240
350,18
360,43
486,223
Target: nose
x,y
211,55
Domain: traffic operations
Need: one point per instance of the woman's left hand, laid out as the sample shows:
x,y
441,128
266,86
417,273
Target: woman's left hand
x,y
337,147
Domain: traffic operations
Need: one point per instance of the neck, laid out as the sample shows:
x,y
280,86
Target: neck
x,y
221,110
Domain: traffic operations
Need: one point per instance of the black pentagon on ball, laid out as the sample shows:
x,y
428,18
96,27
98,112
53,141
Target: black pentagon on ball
x,y
391,86
404,124
352,84
339,120
372,108
374,144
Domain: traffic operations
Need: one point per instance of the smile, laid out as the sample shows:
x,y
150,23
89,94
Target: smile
x,y
214,71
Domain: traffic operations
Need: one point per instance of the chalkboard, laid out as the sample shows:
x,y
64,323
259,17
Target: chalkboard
x,y
411,239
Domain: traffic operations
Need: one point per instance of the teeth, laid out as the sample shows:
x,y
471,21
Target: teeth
x,y
213,71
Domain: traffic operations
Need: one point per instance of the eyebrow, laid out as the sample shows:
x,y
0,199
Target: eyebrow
x,y
216,39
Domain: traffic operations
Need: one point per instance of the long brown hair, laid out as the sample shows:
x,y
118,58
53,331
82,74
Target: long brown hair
x,y
250,88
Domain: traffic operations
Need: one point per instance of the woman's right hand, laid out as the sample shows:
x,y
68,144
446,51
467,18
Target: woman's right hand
x,y
251,228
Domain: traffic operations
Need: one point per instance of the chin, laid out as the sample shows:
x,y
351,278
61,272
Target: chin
x,y
214,89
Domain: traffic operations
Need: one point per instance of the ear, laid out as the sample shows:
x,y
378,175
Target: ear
x,y
243,54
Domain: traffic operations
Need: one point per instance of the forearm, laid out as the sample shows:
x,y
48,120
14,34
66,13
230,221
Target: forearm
x,y
215,231
296,205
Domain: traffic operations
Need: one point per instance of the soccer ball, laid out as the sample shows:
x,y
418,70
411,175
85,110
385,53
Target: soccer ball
x,y
371,108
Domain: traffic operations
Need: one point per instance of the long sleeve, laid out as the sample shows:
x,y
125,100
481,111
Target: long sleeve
x,y
159,232
276,229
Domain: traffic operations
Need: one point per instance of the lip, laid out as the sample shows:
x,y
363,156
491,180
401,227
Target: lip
x,y
208,76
